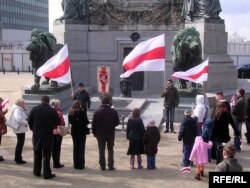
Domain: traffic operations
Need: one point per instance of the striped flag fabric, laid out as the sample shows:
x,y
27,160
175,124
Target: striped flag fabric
x,y
148,55
197,74
57,68
5,104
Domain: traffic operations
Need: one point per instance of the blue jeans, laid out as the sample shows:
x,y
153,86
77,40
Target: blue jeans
x,y
170,111
151,162
186,150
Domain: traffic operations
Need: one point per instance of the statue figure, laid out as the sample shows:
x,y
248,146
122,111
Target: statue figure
x,y
186,51
201,9
125,86
74,9
42,47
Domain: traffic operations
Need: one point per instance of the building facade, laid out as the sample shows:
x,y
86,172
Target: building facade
x,y
17,19
239,52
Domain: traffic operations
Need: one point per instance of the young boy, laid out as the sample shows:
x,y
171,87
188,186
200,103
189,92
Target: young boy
x,y
187,134
150,140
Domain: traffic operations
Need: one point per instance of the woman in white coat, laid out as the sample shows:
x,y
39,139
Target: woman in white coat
x,y
19,114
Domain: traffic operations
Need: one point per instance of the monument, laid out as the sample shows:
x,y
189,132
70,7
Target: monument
x,y
112,30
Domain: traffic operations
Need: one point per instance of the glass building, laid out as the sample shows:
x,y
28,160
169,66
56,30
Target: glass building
x,y
17,19
24,14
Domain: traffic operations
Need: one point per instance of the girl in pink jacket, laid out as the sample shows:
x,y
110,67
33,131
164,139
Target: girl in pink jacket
x,y
200,156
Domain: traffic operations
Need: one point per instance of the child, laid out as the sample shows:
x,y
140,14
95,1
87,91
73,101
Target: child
x,y
200,156
151,139
135,132
206,133
187,134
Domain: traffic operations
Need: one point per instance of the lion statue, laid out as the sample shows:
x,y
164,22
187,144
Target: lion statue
x,y
42,47
186,52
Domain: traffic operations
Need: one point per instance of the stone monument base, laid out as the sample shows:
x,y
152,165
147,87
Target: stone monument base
x,y
33,98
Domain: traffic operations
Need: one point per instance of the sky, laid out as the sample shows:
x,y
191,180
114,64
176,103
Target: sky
x,y
236,14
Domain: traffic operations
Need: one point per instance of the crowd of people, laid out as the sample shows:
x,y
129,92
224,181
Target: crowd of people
x,y
205,135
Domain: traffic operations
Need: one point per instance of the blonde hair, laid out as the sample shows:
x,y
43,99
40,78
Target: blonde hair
x,y
55,103
19,102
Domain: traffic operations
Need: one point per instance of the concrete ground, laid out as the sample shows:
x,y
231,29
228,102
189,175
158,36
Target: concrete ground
x,y
168,158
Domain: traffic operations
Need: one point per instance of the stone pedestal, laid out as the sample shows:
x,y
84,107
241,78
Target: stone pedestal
x,y
33,98
222,74
74,33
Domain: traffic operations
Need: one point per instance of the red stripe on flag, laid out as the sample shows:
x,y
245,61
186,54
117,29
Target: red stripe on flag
x,y
156,53
197,75
59,71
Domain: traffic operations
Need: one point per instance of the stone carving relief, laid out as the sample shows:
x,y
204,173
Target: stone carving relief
x,y
134,12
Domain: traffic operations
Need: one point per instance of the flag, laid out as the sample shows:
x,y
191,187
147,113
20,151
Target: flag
x,y
57,68
5,104
148,55
197,74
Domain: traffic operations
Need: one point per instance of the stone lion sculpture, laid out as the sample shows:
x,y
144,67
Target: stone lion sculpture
x,y
42,47
186,51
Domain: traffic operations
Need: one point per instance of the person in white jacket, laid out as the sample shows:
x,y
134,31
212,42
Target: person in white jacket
x,y
199,111
18,112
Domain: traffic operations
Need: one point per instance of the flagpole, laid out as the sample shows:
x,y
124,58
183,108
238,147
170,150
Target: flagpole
x,y
71,83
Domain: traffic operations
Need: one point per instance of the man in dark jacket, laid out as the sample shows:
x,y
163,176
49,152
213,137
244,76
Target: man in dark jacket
x,y
104,121
239,113
42,120
171,100
83,96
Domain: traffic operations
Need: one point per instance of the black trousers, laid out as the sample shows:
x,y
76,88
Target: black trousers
x,y
19,146
102,145
42,155
79,142
56,149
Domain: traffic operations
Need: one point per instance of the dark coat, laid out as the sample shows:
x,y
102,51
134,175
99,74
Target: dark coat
x,y
220,131
207,131
104,121
78,123
248,110
42,120
135,129
151,139
171,97
239,110
188,130
83,96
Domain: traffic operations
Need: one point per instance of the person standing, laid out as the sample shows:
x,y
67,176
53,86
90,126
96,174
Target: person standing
x,y
199,111
151,140
229,163
19,114
187,133
104,121
78,120
57,138
239,115
3,126
199,154
247,134
220,132
42,120
135,132
219,96
83,96
171,100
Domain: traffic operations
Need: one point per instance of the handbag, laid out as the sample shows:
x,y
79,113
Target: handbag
x,y
62,130
12,122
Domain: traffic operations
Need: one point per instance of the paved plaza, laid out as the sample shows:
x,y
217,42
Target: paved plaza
x,y
168,158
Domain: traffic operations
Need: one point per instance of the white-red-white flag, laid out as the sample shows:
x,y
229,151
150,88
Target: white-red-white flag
x,y
57,68
148,55
197,74
5,104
